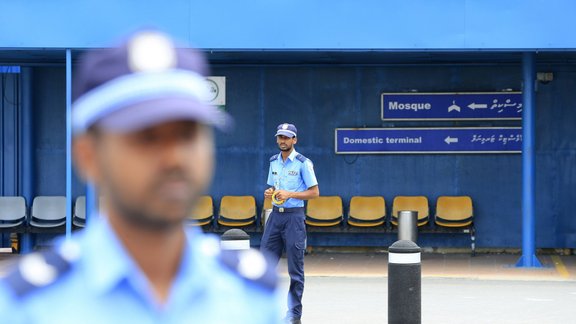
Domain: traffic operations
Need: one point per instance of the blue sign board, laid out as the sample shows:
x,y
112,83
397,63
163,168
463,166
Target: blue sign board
x,y
452,106
428,140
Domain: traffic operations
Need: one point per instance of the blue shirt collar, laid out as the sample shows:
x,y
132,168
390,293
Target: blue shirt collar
x,y
291,157
107,264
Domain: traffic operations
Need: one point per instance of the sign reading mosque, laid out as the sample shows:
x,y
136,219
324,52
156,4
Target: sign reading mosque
x,y
428,140
451,106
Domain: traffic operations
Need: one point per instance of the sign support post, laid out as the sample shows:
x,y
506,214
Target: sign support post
x,y
528,258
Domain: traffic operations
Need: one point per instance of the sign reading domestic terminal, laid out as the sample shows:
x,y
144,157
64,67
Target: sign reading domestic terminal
x,y
428,140
452,106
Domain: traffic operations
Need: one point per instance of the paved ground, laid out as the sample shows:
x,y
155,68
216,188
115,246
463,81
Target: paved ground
x,y
456,288
344,288
363,300
437,265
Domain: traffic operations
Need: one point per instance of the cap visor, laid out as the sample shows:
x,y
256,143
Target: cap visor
x,y
285,133
149,113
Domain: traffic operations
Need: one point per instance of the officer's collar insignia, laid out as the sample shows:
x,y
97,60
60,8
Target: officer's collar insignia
x,y
38,270
250,265
35,270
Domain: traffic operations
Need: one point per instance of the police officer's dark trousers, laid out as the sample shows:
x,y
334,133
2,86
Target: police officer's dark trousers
x,y
285,229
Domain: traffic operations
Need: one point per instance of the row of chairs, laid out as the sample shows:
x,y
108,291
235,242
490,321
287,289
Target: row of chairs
x,y
239,211
324,211
451,211
48,213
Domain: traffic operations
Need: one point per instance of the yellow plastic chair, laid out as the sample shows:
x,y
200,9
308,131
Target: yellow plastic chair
x,y
324,211
454,211
203,213
237,211
413,203
367,211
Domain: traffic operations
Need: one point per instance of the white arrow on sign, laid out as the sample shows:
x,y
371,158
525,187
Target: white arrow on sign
x,y
477,106
449,140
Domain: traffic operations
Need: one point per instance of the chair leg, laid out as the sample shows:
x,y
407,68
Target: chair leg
x,y
473,240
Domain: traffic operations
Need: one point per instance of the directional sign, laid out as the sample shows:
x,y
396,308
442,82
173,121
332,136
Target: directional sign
x,y
452,106
428,140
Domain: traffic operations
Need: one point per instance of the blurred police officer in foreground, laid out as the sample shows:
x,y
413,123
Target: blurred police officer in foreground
x,y
292,180
143,134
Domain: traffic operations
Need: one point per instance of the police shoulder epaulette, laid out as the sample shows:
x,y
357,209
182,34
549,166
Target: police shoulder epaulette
x,y
38,270
252,266
301,158
273,157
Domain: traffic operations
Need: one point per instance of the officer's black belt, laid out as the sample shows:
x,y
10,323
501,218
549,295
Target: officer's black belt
x,y
287,210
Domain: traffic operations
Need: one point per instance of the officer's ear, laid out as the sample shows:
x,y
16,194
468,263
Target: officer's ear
x,y
295,139
84,155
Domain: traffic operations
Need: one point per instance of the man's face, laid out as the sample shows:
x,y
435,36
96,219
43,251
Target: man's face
x,y
285,143
151,177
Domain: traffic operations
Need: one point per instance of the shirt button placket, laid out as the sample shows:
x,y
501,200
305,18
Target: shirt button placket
x,y
283,177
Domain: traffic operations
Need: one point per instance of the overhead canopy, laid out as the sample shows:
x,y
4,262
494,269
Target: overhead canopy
x,y
414,25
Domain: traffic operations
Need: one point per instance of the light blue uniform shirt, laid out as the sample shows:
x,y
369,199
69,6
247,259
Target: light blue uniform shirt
x,y
104,285
295,174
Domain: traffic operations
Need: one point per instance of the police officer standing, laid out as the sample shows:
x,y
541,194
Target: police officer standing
x,y
143,134
292,180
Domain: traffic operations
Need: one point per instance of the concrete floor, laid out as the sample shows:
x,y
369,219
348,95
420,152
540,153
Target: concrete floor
x,y
363,300
456,288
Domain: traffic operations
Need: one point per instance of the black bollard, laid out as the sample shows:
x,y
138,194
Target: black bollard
x,y
235,239
404,283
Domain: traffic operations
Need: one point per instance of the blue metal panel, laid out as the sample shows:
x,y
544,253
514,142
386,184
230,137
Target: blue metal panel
x,y
9,131
9,136
298,24
68,143
50,131
27,129
27,134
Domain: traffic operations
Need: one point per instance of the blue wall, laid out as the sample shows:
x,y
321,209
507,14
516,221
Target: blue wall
x,y
9,133
320,98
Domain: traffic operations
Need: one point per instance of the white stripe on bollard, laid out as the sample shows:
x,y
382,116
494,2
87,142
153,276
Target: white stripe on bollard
x,y
235,245
403,258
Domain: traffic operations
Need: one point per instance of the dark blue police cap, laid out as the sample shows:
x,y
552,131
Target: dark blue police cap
x,y
288,130
144,82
